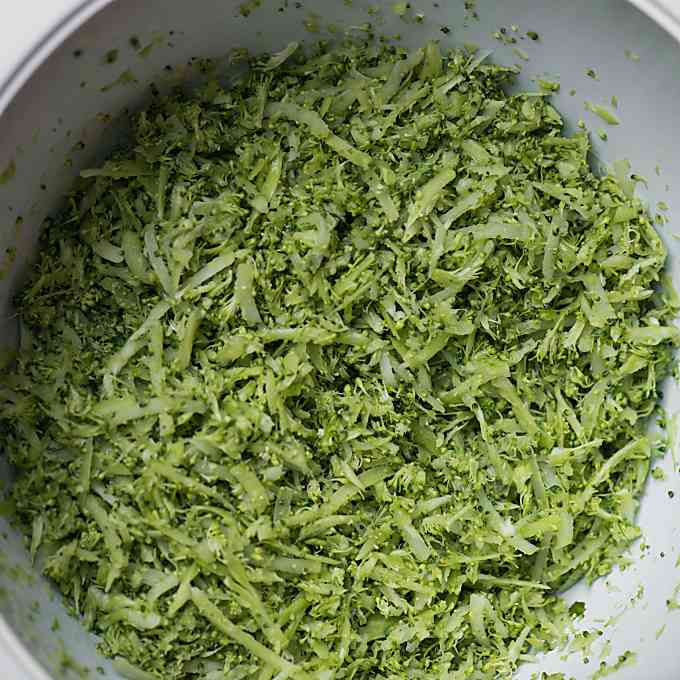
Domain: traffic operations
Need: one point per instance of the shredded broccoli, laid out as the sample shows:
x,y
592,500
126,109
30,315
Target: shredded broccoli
x,y
605,114
343,372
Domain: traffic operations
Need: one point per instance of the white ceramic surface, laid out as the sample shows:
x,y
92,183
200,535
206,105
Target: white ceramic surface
x,y
58,105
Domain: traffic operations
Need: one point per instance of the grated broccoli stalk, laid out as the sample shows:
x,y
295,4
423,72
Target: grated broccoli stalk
x,y
341,373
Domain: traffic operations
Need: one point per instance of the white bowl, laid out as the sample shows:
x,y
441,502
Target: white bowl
x,y
53,100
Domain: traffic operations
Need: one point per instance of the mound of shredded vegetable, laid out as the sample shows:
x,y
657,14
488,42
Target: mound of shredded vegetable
x,y
343,372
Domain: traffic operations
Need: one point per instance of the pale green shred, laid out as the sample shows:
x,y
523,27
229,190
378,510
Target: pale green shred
x,y
9,172
625,660
520,53
604,113
130,672
548,85
343,373
550,676
277,59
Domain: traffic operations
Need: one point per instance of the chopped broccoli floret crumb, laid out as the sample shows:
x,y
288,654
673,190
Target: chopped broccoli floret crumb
x,y
344,372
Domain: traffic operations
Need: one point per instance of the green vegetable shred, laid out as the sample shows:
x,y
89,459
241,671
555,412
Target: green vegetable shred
x,y
342,372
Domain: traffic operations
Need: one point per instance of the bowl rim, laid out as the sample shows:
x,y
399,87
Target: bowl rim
x,y
39,50
12,648
43,45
